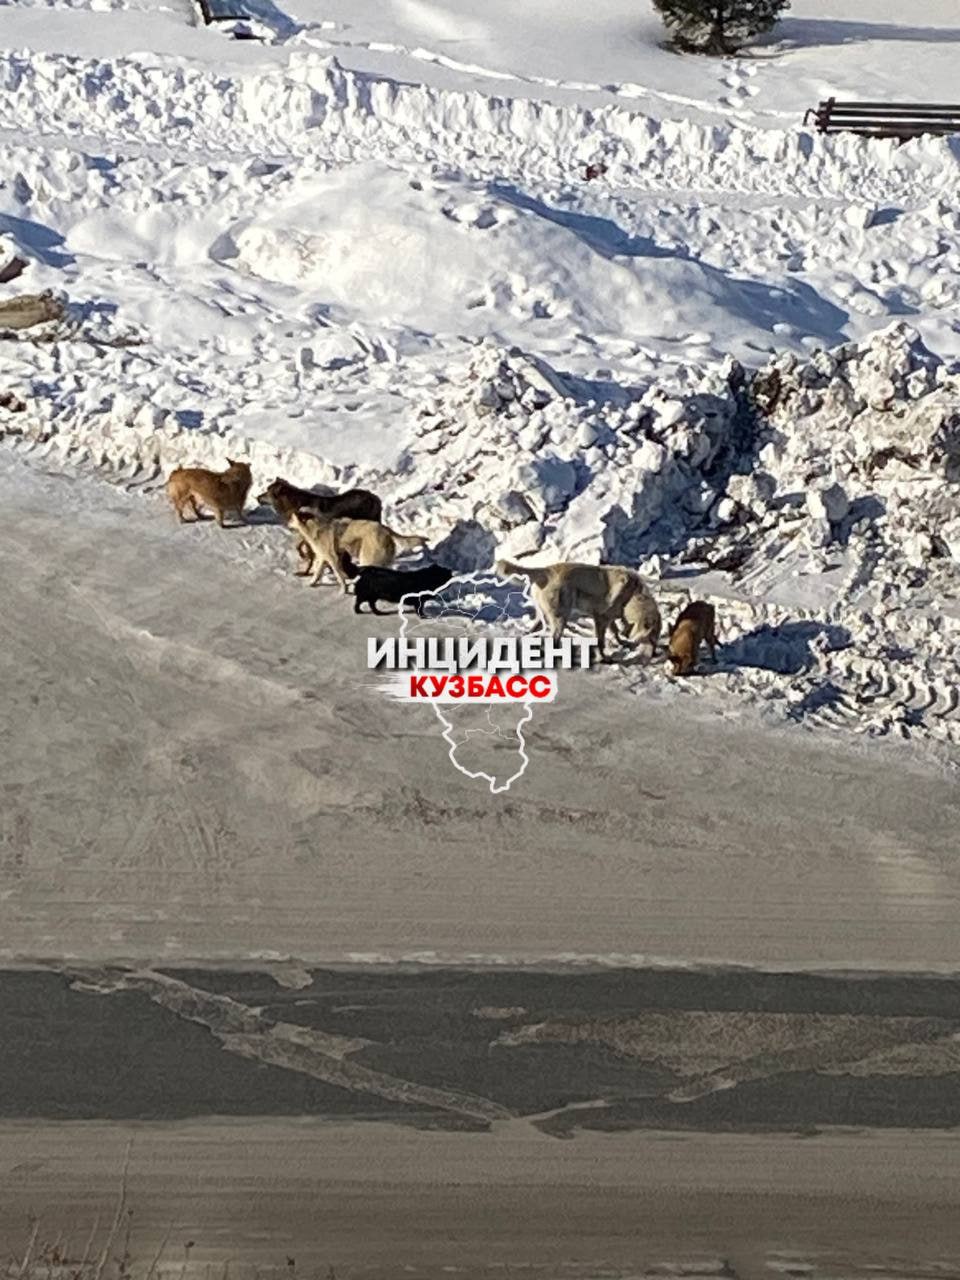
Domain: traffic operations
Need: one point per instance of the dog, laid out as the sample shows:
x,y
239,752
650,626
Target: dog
x,y
220,491
364,542
696,624
601,591
640,622
357,504
373,584
284,497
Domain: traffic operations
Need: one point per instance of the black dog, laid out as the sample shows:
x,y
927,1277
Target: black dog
x,y
353,504
373,584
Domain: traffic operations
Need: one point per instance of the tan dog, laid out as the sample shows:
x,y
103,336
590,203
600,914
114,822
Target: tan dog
x,y
640,623
284,497
220,491
600,591
365,542
695,625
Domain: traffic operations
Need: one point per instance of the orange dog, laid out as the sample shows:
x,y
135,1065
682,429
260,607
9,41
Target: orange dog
x,y
696,624
189,488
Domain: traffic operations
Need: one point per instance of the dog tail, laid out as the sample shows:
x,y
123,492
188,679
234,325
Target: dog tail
x,y
507,569
295,521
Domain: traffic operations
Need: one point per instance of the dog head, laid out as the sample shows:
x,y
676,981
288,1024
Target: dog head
x,y
682,663
348,568
278,496
269,495
436,575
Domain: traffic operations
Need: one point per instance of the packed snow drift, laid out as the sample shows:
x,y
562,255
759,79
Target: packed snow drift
x,y
549,288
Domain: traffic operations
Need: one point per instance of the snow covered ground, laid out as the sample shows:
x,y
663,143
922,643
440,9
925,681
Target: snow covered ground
x,y
363,250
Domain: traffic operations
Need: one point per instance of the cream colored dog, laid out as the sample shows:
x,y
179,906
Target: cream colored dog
x,y
364,542
560,591
640,623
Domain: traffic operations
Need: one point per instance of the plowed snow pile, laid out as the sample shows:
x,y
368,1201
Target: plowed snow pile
x,y
361,260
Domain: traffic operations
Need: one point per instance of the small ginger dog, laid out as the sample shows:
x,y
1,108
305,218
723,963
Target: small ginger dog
x,y
365,542
697,624
190,488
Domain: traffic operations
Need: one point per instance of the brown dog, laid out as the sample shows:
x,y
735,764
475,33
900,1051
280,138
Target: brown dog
x,y
695,625
356,504
220,491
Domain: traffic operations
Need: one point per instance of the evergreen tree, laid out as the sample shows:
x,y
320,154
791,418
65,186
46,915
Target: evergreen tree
x,y
718,26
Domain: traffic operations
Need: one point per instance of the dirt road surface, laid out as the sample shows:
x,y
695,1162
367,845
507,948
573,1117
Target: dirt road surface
x,y
196,767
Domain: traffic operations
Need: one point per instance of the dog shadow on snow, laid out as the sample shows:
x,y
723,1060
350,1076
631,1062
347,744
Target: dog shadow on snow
x,y
787,650
470,548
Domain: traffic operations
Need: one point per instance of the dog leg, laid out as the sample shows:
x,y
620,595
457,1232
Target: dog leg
x,y
338,574
600,623
544,622
318,566
541,620
321,565
304,559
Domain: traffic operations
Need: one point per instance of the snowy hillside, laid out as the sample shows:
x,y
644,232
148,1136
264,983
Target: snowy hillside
x,y
363,249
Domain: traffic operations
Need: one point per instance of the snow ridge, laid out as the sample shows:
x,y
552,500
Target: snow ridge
x,y
314,106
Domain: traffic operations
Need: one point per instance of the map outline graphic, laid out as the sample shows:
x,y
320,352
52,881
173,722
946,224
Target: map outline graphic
x,y
478,578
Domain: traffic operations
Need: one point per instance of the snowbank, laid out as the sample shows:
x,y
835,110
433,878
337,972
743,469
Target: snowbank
x,y
352,279
313,105
842,472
